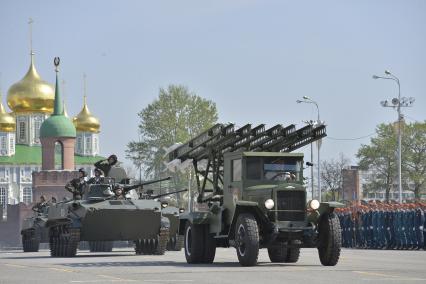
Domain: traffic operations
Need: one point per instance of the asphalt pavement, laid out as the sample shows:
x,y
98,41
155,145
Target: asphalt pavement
x,y
123,266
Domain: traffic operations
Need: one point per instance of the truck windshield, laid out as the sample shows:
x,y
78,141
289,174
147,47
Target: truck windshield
x,y
274,168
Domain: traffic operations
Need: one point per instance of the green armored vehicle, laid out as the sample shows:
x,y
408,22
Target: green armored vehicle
x,y
251,195
175,241
101,217
34,231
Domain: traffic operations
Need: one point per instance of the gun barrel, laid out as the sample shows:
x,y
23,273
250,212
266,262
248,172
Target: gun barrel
x,y
168,193
154,181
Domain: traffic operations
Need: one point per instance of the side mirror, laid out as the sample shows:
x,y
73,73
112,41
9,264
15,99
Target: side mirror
x,y
309,164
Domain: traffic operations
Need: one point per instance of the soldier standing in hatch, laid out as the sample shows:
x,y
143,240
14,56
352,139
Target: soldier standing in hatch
x,y
105,165
76,186
40,205
97,179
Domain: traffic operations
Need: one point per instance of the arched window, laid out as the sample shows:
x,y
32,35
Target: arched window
x,y
59,156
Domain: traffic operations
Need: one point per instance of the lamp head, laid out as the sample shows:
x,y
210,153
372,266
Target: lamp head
x,y
387,72
375,77
298,101
306,98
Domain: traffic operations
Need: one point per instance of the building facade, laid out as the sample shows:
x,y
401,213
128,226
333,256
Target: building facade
x,y
31,101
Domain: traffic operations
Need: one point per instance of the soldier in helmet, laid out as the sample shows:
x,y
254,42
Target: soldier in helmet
x,y
40,205
105,165
76,186
97,179
119,192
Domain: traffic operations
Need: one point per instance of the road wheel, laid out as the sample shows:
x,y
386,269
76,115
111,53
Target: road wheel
x,y
292,255
138,246
247,239
278,254
194,243
330,241
64,241
30,242
161,242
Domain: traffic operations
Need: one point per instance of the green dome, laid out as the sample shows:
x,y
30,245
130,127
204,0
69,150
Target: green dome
x,y
57,126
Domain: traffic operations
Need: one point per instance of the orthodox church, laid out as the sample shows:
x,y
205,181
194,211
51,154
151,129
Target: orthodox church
x,y
35,116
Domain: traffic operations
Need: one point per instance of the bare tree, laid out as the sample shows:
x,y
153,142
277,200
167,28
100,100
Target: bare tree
x,y
331,175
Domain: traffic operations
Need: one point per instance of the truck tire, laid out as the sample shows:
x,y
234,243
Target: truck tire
x,y
278,254
292,255
194,243
247,239
209,246
330,242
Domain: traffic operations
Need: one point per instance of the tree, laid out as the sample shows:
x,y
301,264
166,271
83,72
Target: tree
x,y
380,158
332,177
175,116
414,151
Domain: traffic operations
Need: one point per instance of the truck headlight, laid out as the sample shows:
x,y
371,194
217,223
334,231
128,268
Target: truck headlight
x,y
269,204
314,204
164,204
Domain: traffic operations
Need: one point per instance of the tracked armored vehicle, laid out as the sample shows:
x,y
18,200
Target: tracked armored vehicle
x,y
99,217
251,195
34,231
150,246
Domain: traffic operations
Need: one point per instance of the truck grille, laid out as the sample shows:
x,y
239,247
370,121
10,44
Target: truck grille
x,y
291,205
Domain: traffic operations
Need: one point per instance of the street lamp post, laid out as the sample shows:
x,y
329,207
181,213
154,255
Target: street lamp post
x,y
397,103
308,100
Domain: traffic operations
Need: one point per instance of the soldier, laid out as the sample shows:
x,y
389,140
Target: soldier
x,y
76,186
40,205
105,165
53,200
119,192
97,179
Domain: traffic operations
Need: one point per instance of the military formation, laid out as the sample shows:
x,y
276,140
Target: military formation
x,y
384,226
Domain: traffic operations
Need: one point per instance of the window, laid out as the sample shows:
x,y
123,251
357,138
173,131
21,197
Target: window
x,y
254,168
236,170
3,196
79,145
27,195
3,143
37,125
95,142
2,172
88,145
12,144
281,168
22,130
59,156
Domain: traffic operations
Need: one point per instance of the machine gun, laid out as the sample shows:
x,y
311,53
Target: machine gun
x,y
127,188
212,144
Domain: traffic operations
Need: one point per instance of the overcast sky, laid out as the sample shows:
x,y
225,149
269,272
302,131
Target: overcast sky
x,y
253,58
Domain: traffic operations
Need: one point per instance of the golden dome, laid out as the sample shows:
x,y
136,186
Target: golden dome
x,y
7,121
85,121
31,94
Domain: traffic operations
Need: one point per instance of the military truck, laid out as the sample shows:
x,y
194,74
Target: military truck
x,y
34,231
251,195
101,217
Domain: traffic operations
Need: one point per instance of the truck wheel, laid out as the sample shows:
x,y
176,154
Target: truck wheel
x,y
138,246
292,255
330,241
194,244
247,239
175,243
209,246
278,254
